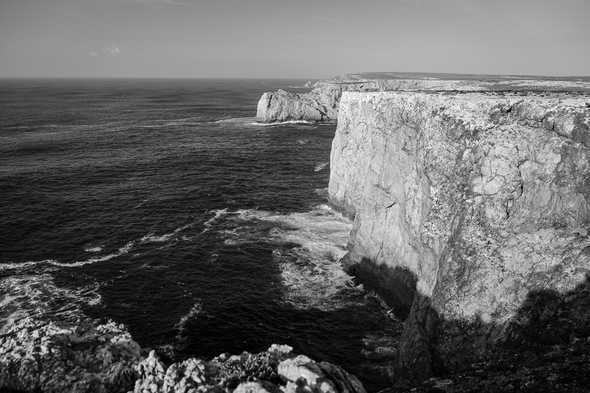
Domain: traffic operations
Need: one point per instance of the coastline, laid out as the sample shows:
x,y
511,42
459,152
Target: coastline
x,y
85,354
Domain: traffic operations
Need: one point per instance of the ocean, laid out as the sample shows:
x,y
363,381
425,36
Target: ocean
x,y
165,206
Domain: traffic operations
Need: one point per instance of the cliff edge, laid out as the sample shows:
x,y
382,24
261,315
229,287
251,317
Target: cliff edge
x,y
464,204
322,101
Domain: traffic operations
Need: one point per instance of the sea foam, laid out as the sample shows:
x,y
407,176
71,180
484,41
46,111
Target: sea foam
x,y
38,296
125,249
311,272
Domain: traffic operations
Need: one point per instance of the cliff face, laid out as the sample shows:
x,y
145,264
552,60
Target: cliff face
x,y
318,105
475,199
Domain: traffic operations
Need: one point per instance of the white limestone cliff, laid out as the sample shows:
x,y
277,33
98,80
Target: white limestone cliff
x,y
481,198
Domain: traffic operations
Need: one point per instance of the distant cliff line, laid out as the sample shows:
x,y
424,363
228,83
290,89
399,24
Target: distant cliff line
x,y
322,101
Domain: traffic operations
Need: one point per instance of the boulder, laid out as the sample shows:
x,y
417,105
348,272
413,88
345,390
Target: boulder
x,y
303,374
273,371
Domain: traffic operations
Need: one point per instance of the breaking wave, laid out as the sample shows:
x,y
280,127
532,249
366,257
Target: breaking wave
x,y
216,215
152,238
125,249
309,248
180,326
38,296
281,123
52,262
320,166
93,249
253,122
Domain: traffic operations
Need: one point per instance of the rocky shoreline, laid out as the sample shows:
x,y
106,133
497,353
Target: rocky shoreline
x,y
45,356
471,208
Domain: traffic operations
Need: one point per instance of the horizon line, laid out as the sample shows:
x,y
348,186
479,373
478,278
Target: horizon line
x,y
399,74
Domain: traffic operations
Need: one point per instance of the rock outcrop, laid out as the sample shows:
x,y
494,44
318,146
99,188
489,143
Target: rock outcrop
x,y
467,202
40,355
44,356
319,105
274,371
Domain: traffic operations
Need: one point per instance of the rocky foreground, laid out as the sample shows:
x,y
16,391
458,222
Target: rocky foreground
x,y
37,356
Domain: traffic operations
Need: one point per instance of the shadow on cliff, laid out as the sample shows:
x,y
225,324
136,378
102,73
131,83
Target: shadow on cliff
x,y
548,335
397,286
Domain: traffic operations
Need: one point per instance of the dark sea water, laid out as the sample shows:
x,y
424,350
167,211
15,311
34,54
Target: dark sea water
x,y
163,205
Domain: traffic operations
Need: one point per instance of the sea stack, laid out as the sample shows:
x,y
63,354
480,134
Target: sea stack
x,y
320,104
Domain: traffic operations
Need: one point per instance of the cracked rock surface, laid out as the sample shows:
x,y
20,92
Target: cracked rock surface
x,y
482,197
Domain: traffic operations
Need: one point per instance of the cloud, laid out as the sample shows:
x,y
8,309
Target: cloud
x,y
109,51
112,50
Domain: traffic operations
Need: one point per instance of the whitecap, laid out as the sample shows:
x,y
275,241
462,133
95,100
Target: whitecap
x,y
52,262
140,204
286,122
320,166
121,251
149,238
194,311
21,265
152,238
218,213
93,249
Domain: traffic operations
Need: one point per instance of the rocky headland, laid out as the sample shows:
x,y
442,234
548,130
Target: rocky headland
x,y
471,208
471,213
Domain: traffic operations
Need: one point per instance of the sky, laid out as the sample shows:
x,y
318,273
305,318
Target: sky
x,y
291,38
